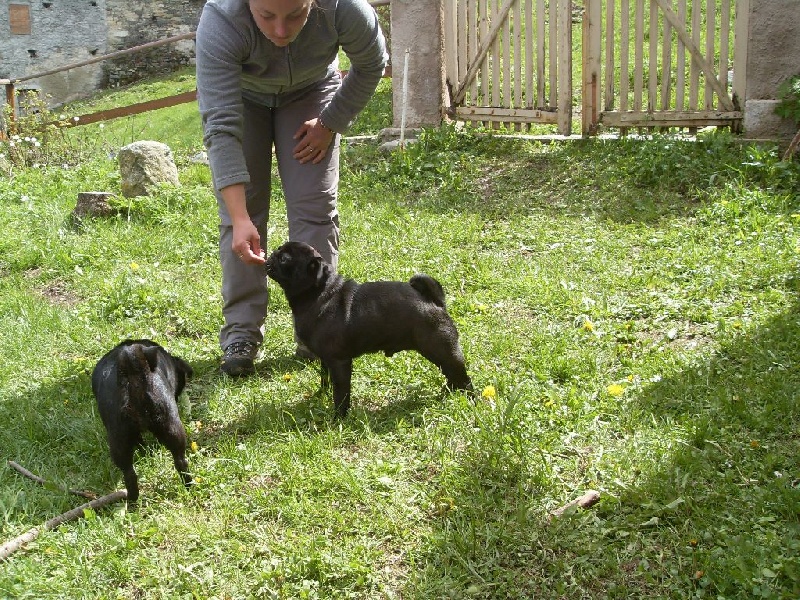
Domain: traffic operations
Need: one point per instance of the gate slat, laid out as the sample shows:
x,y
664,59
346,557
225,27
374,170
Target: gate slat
x,y
529,57
724,42
517,59
638,52
564,50
680,62
540,55
608,99
451,44
711,22
505,53
666,65
495,55
624,52
482,41
473,18
652,76
592,45
552,52
694,72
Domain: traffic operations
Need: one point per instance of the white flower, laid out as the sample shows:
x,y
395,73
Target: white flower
x,y
76,119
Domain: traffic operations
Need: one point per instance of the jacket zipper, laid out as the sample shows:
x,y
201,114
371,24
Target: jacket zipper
x,y
289,63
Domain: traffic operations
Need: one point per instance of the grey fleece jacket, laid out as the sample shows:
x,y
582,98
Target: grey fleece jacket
x,y
235,60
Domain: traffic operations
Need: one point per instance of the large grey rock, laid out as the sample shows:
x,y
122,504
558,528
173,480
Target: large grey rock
x,y
143,165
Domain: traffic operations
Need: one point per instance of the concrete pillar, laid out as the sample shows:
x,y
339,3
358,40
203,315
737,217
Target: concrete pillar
x,y
417,25
773,56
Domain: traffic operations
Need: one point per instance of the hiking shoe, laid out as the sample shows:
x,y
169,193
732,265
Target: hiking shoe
x,y
237,360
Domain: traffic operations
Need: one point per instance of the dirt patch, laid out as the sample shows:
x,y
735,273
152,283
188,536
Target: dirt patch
x,y
57,294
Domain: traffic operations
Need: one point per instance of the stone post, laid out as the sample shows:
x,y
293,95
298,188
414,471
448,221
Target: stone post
x,y
417,25
773,56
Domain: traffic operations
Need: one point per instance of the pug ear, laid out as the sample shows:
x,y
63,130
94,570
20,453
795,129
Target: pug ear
x,y
318,269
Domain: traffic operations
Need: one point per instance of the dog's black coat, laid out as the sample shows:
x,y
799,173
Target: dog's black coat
x,y
137,385
340,319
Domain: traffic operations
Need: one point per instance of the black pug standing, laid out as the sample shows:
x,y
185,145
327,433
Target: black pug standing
x,y
137,385
340,319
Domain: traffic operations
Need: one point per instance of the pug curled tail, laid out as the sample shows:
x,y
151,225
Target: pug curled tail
x,y
430,289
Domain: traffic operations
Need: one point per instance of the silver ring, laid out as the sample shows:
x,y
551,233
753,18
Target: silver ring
x,y
311,148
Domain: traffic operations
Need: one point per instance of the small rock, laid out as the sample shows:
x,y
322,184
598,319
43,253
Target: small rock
x,y
93,204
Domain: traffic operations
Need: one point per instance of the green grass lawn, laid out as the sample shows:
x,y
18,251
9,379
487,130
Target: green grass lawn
x,y
628,309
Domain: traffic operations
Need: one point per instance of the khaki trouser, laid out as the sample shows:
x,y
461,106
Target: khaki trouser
x,y
310,191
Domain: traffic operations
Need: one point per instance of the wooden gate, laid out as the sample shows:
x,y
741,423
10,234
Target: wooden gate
x,y
510,61
643,63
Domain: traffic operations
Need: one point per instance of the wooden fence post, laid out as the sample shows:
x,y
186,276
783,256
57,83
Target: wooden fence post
x,y
11,100
592,43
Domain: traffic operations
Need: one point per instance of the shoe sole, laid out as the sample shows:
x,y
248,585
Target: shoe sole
x,y
239,368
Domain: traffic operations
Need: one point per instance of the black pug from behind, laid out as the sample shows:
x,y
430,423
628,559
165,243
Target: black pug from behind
x,y
137,385
340,319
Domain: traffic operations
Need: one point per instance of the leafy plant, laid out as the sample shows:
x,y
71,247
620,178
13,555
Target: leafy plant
x,y
789,96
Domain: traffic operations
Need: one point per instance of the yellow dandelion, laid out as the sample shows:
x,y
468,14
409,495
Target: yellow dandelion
x,y
287,377
489,392
195,447
629,378
587,325
754,444
134,266
615,389
693,543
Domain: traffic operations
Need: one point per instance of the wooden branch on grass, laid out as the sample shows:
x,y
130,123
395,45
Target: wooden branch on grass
x,y
37,479
792,146
13,545
588,499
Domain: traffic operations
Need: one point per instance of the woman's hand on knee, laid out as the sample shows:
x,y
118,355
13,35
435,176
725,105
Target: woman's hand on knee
x,y
313,141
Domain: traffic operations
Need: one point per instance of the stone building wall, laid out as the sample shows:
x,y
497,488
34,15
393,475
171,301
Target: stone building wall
x,y
773,57
62,32
135,22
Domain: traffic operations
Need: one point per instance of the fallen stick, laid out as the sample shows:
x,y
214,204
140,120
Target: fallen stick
x,y
792,147
18,542
588,499
37,479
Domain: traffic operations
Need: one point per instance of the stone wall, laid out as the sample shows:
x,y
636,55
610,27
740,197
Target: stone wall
x,y
72,31
418,27
135,22
773,57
